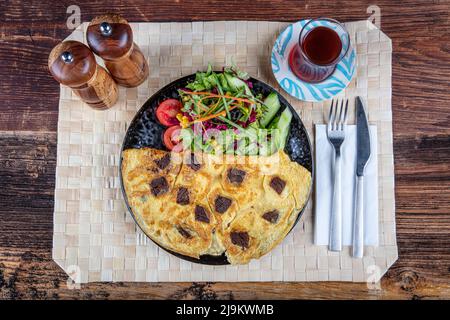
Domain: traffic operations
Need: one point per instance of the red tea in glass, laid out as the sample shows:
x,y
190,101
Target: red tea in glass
x,y
321,46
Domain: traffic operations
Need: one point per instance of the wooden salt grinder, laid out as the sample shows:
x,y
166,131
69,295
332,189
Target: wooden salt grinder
x,y
73,64
110,37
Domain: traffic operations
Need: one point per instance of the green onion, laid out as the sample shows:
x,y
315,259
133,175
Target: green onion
x,y
216,109
231,123
219,88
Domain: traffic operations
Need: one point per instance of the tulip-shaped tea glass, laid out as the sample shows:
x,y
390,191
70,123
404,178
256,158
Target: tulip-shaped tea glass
x,y
322,43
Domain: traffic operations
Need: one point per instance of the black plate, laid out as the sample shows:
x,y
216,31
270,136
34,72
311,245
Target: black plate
x,y
146,131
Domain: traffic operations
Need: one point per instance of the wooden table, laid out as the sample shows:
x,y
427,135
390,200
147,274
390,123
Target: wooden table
x,y
421,105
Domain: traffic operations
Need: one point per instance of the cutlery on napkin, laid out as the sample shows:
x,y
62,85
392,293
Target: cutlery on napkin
x,y
324,187
336,128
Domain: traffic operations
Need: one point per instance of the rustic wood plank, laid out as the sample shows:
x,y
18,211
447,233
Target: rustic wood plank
x,y
418,41
26,237
29,104
32,274
27,181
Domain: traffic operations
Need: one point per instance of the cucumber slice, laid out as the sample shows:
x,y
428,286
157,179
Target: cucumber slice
x,y
273,105
273,124
283,125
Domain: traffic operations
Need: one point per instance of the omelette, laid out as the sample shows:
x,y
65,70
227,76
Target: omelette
x,y
200,204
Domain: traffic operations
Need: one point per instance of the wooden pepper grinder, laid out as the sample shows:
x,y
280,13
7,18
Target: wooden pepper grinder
x,y
73,64
110,37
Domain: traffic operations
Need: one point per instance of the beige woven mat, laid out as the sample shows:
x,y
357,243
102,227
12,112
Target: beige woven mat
x,y
95,238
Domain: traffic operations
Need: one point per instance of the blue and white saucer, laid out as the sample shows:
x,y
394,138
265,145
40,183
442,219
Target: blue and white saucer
x,y
299,89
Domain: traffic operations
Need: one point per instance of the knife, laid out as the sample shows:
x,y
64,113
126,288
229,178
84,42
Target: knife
x,y
363,155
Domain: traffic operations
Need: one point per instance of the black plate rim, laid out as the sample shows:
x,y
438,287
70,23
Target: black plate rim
x,y
208,259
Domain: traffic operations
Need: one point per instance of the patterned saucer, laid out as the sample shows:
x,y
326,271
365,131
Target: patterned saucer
x,y
299,89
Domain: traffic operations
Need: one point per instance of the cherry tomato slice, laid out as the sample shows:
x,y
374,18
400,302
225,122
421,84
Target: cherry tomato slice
x,y
171,138
167,112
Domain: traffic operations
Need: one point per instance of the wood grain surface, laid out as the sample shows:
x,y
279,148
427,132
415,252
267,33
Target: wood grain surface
x,y
421,111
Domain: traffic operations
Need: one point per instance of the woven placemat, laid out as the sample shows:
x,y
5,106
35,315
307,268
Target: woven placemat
x,y
95,238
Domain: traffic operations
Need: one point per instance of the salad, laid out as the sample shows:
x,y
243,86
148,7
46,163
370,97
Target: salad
x,y
218,112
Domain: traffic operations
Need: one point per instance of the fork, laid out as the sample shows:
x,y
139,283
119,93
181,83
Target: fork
x,y
337,120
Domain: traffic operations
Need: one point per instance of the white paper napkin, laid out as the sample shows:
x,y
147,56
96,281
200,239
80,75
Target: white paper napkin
x,y
324,187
